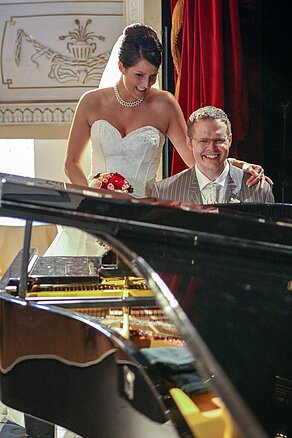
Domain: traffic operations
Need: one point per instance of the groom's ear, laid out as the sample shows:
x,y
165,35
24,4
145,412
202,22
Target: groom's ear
x,y
189,142
230,140
121,67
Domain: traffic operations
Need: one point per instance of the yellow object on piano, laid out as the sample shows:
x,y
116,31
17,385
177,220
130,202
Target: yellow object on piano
x,y
108,287
75,293
90,293
215,423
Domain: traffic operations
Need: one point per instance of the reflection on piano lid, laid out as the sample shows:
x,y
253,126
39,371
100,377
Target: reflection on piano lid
x,y
229,267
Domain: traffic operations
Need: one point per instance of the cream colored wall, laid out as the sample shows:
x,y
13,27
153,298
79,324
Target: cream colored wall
x,y
34,131
152,15
49,159
50,145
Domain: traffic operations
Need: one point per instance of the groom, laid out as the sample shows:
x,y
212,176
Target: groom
x,y
213,179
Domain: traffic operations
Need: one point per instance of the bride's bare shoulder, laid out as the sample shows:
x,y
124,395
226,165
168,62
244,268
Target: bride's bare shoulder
x,y
156,93
93,100
162,97
96,93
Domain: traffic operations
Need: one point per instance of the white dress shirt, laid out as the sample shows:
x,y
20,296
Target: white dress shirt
x,y
207,191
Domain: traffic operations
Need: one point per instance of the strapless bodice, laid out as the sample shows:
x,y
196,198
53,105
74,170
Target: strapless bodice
x,y
135,156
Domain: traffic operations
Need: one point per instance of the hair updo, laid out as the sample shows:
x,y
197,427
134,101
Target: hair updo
x,y
140,42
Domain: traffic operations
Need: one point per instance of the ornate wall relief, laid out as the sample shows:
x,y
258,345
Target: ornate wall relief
x,y
52,52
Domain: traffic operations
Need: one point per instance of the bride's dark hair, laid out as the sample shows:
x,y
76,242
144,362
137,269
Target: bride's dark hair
x,y
140,42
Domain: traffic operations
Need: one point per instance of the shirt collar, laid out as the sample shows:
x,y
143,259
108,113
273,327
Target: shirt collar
x,y
203,180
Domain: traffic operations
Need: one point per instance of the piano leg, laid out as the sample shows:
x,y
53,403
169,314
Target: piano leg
x,y
38,429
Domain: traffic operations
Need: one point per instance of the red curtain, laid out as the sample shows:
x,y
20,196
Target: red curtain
x,y
209,45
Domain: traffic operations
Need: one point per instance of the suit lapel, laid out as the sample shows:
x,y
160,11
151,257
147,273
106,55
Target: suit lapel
x,y
233,187
232,192
194,189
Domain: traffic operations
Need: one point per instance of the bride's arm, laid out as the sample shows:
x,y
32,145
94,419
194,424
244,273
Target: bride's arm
x,y
256,171
77,141
177,130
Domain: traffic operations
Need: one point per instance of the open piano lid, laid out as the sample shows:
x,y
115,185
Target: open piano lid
x,y
229,266
172,230
119,212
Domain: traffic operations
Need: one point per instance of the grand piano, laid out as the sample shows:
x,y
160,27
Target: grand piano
x,y
182,328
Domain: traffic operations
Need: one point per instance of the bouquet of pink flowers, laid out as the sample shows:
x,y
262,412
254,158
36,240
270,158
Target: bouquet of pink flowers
x,y
111,181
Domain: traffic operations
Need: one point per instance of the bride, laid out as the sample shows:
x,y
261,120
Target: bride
x,y
127,124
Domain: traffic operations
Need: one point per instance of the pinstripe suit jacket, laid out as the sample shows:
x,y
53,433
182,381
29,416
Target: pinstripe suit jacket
x,y
184,187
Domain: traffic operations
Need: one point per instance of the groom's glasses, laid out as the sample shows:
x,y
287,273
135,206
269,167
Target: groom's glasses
x,y
207,141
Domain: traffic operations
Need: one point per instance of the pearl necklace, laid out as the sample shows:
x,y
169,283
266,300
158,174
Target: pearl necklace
x,y
126,103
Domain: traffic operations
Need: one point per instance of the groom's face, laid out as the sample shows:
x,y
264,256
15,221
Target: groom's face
x,y
210,143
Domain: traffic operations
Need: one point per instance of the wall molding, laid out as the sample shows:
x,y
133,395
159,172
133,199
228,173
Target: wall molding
x,y
133,11
24,114
47,105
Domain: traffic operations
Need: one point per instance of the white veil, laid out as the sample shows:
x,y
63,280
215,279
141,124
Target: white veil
x,y
111,73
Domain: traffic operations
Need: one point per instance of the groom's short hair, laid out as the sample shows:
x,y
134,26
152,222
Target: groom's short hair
x,y
208,112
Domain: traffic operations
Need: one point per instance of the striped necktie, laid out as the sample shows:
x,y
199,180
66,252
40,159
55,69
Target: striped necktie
x,y
213,193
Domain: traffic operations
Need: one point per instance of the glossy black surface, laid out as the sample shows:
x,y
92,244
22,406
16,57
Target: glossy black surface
x,y
173,231
229,267
121,211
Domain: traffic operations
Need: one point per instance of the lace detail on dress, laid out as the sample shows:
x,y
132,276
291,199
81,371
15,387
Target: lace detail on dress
x,y
135,156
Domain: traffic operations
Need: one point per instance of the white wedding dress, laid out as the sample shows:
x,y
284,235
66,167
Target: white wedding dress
x,y
135,156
